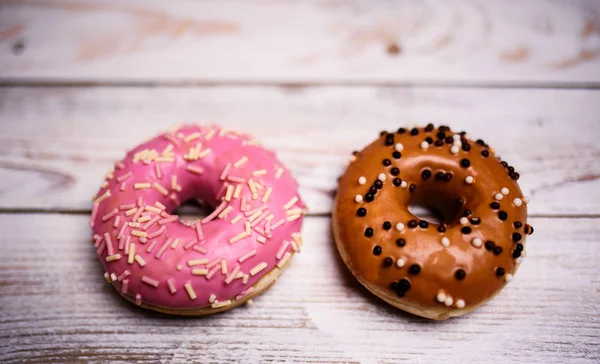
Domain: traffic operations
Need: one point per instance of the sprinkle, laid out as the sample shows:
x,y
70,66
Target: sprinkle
x,y
171,286
382,177
233,274
124,177
223,266
424,145
157,171
131,254
445,242
127,207
113,257
190,291
508,277
279,173
454,149
448,301
212,272
224,213
400,262
290,203
505,191
215,213
139,234
109,245
212,298
127,244
284,245
293,217
199,232
243,204
254,271
498,196
157,233
164,160
259,219
460,303
225,171
252,186
238,190
195,170
199,249
107,276
261,239
362,180
153,209
110,215
477,242
229,193
144,219
297,239
122,231
358,198
400,226
283,260
204,153
236,219
441,297
102,197
526,199
464,220
199,271
163,249
210,134
150,281
403,184
174,244
140,202
469,179
168,220
267,194
247,256
138,299
125,286
240,162
151,222
123,275
277,224
517,202
260,172
257,211
151,247
194,262
157,186
245,280
140,186
140,260
221,304
191,137
134,224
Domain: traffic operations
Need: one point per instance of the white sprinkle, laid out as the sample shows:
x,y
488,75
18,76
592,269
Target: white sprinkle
x,y
464,220
460,303
476,242
400,226
382,177
358,198
449,301
441,297
498,196
469,179
254,271
403,184
456,137
399,147
400,263
517,202
526,199
424,145
454,149
519,260
505,191
445,242
508,277
362,180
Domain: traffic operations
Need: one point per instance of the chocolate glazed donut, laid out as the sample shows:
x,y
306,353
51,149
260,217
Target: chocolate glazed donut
x,y
431,270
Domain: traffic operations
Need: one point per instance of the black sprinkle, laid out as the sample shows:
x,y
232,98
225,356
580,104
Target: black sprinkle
x,y
400,242
475,220
438,143
429,127
465,163
412,188
516,254
514,175
429,140
447,176
423,224
389,139
529,230
500,271
467,212
397,182
361,211
404,284
378,184
439,176
426,174
485,153
504,164
480,142
412,224
400,293
387,262
369,197
355,152
516,237
373,190
441,135
519,247
459,201
414,131
465,230
489,245
466,147
377,250
495,205
444,128
394,286
460,274
368,232
387,225
497,250
518,225
395,171
386,162
511,168
449,140
441,228
502,215
414,269
401,131
382,133
396,154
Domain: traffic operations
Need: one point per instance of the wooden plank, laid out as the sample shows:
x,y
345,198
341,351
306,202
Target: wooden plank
x,y
297,41
56,306
56,144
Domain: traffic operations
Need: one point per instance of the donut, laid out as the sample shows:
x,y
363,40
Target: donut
x,y
157,261
438,269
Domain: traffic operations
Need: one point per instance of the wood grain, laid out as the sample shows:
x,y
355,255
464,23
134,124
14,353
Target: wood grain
x,y
297,41
56,144
56,306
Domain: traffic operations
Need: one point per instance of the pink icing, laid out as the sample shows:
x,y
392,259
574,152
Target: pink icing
x,y
159,281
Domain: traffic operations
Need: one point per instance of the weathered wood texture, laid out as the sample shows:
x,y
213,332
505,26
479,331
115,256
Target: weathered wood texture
x,y
57,143
434,41
56,306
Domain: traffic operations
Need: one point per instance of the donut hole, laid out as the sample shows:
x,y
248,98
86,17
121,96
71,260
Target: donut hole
x,y
435,205
192,210
427,213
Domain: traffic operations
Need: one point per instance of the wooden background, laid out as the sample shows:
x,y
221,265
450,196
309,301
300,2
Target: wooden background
x,y
80,81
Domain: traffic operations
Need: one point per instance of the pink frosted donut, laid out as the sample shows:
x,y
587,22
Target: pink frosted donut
x,y
216,263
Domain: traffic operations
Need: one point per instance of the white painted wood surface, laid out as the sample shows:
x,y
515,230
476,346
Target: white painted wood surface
x,y
57,143
436,41
56,306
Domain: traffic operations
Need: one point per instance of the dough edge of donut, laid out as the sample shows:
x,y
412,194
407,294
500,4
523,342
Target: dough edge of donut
x,y
434,313
259,287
